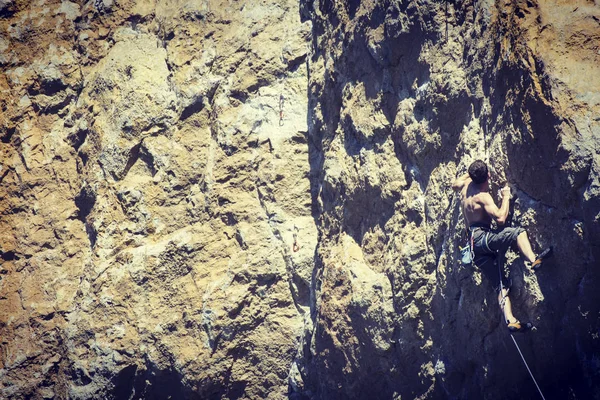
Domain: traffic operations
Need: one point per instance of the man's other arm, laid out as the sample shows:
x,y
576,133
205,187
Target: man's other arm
x,y
498,214
460,182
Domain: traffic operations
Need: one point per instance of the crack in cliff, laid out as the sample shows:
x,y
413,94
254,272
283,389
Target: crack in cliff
x,y
283,249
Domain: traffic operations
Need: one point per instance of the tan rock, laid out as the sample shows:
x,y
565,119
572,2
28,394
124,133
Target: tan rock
x,y
253,199
159,250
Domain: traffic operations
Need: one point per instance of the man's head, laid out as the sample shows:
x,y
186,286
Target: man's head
x,y
478,172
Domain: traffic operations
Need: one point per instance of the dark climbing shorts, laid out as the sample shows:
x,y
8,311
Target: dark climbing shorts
x,y
487,242
492,241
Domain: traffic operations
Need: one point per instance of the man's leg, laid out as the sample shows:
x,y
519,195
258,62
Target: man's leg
x,y
525,247
506,306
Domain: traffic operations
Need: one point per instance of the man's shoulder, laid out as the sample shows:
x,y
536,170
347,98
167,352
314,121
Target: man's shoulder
x,y
484,198
480,196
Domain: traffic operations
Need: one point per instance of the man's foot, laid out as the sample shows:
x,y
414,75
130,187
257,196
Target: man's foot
x,y
539,259
514,326
519,327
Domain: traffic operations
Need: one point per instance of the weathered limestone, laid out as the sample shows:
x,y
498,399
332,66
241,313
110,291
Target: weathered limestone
x,y
252,199
157,233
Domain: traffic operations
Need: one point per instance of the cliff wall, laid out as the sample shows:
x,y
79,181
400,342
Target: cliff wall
x,y
403,96
154,181
252,199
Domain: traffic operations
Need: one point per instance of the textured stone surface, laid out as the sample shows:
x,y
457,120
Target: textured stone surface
x,y
402,97
152,193
251,199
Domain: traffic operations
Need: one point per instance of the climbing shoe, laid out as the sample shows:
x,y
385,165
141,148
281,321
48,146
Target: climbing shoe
x,y
520,327
543,255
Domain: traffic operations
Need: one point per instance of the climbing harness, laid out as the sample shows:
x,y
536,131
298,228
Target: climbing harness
x,y
466,253
281,99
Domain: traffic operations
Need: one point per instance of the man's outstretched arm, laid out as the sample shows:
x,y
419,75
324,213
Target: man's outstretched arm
x,y
460,182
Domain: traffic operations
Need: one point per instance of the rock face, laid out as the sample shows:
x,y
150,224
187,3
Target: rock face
x,y
252,199
157,233
403,96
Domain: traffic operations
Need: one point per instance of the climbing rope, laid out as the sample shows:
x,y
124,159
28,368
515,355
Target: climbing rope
x,y
527,366
502,304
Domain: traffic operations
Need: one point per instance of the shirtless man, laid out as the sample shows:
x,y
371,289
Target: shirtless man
x,y
479,210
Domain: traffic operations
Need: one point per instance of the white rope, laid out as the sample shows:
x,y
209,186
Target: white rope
x,y
525,362
502,303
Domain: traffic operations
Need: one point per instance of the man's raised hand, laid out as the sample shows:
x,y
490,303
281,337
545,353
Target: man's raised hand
x,y
505,192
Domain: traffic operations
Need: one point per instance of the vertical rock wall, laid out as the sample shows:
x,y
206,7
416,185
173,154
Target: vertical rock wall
x,y
156,231
251,199
403,96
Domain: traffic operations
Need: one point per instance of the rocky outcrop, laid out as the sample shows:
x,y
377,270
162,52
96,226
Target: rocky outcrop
x,y
252,199
157,233
402,97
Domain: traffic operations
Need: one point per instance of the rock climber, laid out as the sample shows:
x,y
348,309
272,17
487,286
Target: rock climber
x,y
479,211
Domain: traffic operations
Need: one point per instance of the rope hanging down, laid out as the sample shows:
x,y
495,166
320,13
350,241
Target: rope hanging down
x,y
502,302
527,366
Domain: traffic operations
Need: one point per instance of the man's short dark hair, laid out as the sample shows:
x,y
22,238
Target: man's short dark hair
x,y
478,171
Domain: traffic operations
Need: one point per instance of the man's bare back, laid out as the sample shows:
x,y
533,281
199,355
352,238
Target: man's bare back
x,y
478,205
472,200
